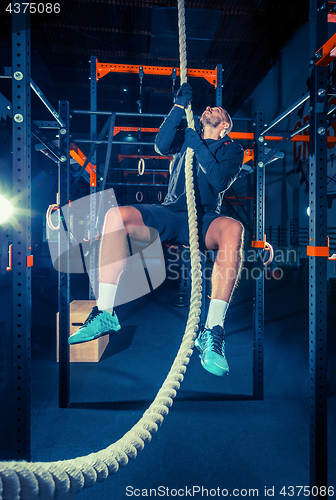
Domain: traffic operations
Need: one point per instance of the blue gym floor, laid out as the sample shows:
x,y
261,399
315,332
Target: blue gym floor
x,y
216,435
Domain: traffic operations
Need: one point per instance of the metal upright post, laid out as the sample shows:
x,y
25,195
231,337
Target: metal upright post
x,y
318,265
258,351
219,88
21,258
63,252
93,189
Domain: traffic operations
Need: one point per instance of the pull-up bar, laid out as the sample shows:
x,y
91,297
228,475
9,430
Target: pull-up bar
x,y
109,113
286,113
102,69
135,129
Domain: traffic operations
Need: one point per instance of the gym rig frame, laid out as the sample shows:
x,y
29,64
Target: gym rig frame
x,y
318,250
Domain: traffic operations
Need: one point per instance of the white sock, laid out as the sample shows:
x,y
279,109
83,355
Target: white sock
x,y
106,297
216,313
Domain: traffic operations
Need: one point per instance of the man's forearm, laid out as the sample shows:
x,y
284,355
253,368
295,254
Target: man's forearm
x,y
165,139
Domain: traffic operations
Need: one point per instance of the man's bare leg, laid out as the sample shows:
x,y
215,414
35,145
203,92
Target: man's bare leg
x,y
119,222
226,236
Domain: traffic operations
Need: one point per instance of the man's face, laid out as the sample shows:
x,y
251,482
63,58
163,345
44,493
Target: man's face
x,y
212,117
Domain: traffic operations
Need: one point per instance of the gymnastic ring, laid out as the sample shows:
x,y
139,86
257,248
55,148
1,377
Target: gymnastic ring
x,y
48,217
141,166
137,196
159,196
269,247
170,167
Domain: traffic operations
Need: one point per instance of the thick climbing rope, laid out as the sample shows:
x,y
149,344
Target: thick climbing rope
x,y
62,479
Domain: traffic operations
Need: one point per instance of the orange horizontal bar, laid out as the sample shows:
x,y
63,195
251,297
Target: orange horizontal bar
x,y
242,135
300,138
233,135
328,53
296,138
103,68
80,158
122,157
134,129
249,136
331,17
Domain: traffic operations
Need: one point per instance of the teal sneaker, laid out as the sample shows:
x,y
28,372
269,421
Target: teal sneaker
x,y
97,324
211,344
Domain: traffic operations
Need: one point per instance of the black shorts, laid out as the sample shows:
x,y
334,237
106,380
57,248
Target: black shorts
x,y
173,226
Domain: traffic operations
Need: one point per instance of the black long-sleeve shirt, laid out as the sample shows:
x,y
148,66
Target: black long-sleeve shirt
x,y
216,167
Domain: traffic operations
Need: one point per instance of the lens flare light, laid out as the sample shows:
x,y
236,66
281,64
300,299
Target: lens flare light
x,y
6,209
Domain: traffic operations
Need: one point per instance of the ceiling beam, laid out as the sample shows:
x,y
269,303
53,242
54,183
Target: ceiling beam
x,y
127,31
99,29
191,4
90,51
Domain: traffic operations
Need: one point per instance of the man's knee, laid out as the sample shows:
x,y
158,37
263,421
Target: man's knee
x,y
123,218
130,219
114,219
239,231
231,230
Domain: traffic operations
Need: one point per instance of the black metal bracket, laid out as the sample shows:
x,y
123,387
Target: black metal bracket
x,y
47,143
270,155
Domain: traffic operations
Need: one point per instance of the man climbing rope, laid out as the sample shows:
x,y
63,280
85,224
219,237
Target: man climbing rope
x,y
217,163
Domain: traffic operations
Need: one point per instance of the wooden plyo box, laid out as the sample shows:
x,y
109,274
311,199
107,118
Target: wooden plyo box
x,y
88,351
